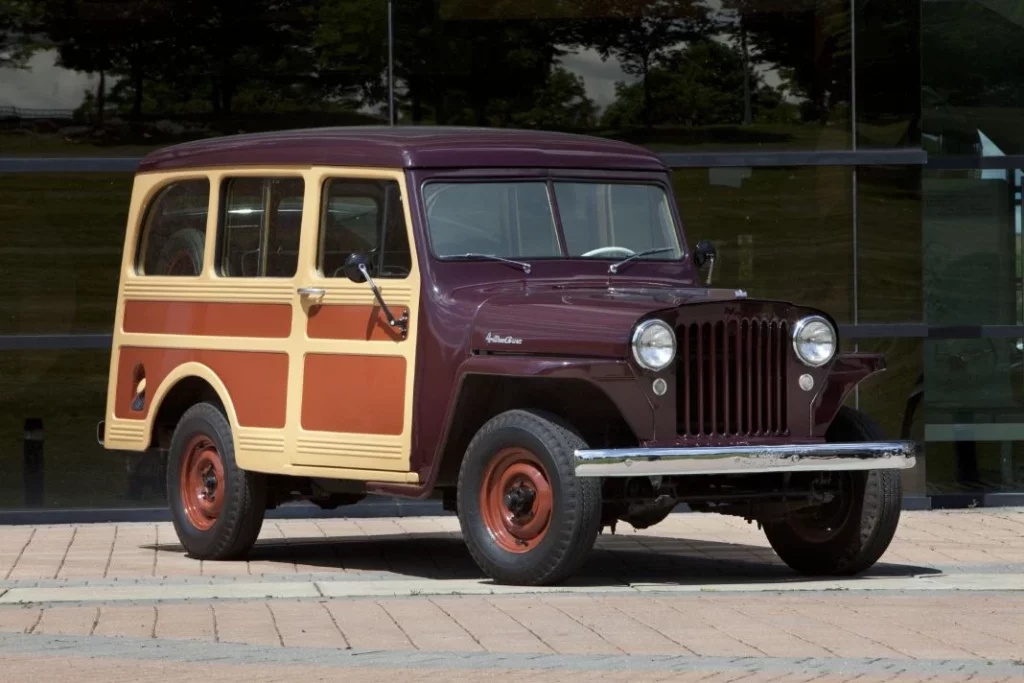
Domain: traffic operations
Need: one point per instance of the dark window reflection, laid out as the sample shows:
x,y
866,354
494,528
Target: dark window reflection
x,y
65,392
780,233
666,73
888,73
60,256
670,73
889,266
973,77
125,77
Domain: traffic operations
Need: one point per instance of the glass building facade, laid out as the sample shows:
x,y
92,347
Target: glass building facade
x,y
864,156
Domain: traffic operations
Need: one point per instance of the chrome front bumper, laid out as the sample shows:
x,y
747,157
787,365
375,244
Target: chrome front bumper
x,y
824,457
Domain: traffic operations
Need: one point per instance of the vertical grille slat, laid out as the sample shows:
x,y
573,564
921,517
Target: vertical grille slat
x,y
732,378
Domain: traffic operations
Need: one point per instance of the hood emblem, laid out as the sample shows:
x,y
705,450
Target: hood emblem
x,y
495,339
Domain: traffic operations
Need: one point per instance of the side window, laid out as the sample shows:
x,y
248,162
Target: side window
x,y
259,227
363,216
174,230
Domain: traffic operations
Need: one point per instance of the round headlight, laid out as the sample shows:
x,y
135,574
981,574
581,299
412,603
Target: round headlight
x,y
654,345
814,341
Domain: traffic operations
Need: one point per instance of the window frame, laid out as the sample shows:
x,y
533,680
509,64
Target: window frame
x,y
266,196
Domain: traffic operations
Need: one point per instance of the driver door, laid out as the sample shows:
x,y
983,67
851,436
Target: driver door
x,y
351,395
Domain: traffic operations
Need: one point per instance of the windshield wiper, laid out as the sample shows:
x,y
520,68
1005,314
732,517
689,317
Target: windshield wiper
x,y
492,257
614,268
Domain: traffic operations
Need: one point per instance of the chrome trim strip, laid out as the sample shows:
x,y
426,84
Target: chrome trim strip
x,y
825,457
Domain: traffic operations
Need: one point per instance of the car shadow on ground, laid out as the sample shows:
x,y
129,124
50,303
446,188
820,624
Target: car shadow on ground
x,y
616,559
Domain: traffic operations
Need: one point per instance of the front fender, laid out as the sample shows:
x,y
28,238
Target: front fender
x,y
846,372
615,378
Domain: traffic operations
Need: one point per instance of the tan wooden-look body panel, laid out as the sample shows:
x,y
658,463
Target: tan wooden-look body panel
x,y
337,384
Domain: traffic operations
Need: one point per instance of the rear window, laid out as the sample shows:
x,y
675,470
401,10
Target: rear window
x,y
173,237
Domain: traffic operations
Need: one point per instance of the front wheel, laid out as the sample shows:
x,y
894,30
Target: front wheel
x,y
849,534
217,508
526,517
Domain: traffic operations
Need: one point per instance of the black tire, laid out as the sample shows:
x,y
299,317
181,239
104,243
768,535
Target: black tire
x,y
869,516
182,254
574,503
232,533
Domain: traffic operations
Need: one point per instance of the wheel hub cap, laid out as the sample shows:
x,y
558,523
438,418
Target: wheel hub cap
x,y
202,477
516,499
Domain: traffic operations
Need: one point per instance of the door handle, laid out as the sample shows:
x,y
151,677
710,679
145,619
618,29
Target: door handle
x,y
311,291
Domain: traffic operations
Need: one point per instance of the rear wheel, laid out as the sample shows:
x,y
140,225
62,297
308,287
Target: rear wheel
x,y
525,516
217,508
849,534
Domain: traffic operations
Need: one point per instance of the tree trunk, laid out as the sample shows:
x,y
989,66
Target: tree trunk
x,y
101,98
748,114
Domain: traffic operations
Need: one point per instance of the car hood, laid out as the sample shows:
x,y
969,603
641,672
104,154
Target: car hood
x,y
594,322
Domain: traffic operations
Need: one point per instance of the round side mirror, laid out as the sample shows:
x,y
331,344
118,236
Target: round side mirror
x,y
352,267
704,252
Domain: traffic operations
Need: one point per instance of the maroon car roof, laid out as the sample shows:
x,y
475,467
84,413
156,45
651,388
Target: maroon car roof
x,y
405,147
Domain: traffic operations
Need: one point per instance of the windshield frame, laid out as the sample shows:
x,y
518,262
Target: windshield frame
x,y
549,179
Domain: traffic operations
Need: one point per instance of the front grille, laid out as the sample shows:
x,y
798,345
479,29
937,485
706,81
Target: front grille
x,y
732,378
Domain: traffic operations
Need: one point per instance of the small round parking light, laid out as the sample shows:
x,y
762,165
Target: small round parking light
x,y
654,345
659,386
806,382
814,341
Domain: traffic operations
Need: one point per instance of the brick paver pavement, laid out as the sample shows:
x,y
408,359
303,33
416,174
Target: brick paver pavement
x,y
696,598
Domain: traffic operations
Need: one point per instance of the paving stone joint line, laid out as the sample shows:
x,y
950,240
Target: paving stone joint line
x,y
198,652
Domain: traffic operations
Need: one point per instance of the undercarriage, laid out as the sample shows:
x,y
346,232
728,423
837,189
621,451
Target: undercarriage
x,y
645,501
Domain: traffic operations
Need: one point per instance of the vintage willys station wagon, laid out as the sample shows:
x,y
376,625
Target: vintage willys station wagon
x,y
511,321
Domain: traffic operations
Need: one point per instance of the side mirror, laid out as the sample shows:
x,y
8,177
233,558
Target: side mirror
x,y
356,266
357,269
705,252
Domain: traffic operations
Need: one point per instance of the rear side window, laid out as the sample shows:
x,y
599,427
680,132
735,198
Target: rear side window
x,y
259,227
174,230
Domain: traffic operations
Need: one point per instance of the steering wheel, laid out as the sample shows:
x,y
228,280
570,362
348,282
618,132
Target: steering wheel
x,y
608,251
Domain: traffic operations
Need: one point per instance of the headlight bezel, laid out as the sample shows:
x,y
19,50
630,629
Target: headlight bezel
x,y
634,345
802,325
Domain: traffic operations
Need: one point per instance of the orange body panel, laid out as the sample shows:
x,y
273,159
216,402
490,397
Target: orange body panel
x,y
256,381
357,394
208,319
363,323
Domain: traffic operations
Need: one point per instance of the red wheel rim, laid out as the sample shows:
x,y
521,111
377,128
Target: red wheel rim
x,y
515,500
202,482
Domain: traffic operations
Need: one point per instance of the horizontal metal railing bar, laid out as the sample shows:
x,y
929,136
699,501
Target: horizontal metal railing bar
x,y
777,158
69,342
1008,162
69,164
934,332
54,342
844,157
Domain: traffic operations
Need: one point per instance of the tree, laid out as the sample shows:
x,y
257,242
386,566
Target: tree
x,y
699,85
350,46
19,36
476,70
561,104
808,41
126,37
638,32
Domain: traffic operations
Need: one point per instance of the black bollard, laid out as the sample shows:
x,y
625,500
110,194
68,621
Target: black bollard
x,y
33,462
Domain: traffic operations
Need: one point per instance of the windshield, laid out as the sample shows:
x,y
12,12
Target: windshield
x,y
516,219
